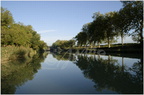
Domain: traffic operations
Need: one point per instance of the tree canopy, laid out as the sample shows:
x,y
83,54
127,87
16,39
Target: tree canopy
x,y
108,27
63,43
19,34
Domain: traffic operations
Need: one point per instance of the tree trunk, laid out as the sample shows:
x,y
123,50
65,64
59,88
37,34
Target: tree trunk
x,y
122,38
91,45
108,42
99,44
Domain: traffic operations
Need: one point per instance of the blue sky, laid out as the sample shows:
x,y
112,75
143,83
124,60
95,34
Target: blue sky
x,y
61,20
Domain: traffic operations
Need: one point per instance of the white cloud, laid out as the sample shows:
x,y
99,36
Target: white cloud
x,y
46,31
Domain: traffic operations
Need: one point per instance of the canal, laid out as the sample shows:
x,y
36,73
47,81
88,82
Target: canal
x,y
52,73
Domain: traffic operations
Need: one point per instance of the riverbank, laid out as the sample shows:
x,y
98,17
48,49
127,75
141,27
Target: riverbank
x,y
117,49
13,53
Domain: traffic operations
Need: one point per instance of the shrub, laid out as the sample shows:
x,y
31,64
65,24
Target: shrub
x,y
14,53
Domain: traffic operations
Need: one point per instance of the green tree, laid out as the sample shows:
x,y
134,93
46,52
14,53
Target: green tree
x,y
42,45
15,35
6,18
132,12
63,43
19,34
119,21
96,30
110,32
87,28
34,40
81,38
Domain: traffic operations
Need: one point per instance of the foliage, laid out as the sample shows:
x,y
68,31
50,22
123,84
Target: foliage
x,y
18,34
6,17
107,27
132,12
64,56
15,73
81,38
63,43
95,33
16,53
107,74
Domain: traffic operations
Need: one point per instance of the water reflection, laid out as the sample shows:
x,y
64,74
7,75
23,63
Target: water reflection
x,y
16,73
108,73
73,73
64,56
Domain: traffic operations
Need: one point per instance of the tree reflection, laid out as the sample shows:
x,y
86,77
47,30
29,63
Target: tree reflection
x,y
64,56
107,75
16,73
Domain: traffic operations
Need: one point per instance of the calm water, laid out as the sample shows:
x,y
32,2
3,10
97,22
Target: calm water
x,y
73,73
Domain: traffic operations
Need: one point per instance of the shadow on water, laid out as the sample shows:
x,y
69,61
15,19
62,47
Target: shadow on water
x,y
16,73
108,73
118,74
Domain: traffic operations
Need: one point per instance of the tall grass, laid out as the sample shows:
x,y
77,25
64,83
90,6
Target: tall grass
x,y
13,53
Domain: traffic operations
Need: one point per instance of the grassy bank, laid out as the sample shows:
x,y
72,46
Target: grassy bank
x,y
13,53
132,48
127,48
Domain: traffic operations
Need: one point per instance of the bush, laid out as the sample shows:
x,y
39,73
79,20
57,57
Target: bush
x,y
13,53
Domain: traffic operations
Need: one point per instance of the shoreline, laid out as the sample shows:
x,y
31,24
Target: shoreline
x,y
126,50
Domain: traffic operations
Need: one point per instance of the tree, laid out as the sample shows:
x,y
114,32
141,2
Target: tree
x,y
6,21
96,30
119,24
15,35
110,32
42,45
132,12
19,34
34,41
81,37
71,43
63,43
6,18
101,29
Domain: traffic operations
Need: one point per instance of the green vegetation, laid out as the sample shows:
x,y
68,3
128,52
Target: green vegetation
x,y
20,52
105,73
18,34
108,72
16,53
64,56
63,44
116,49
106,28
16,72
